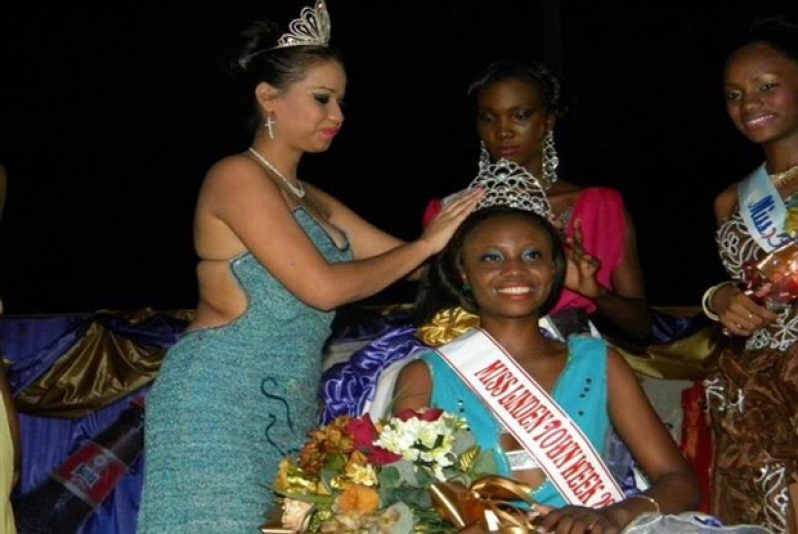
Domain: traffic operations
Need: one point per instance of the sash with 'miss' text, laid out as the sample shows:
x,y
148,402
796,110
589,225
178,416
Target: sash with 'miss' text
x,y
534,418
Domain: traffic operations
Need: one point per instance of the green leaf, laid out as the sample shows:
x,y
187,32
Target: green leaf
x,y
335,463
484,465
407,473
307,497
413,497
389,477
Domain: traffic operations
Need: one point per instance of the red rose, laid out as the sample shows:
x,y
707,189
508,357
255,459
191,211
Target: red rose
x,y
430,414
363,432
380,456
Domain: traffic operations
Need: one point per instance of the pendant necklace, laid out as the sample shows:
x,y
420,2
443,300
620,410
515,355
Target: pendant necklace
x,y
297,190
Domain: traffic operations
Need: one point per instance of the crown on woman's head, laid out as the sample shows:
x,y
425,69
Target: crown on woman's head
x,y
507,183
312,27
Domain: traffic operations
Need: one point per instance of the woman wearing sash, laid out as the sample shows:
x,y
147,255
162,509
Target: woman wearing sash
x,y
753,398
524,393
516,108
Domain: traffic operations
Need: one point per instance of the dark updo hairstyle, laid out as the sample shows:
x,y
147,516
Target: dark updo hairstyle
x,y
777,32
442,285
258,61
536,74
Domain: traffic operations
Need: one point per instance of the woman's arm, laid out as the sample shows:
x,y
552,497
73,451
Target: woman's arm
x,y
365,239
673,485
737,312
413,388
236,193
625,306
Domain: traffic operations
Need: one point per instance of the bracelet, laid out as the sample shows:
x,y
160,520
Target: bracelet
x,y
649,499
707,298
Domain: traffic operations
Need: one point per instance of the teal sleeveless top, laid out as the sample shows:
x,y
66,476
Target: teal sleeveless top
x,y
581,390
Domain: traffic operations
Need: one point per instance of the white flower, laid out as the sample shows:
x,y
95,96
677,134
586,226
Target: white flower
x,y
394,439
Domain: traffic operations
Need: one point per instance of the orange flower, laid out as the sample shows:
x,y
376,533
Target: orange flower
x,y
358,499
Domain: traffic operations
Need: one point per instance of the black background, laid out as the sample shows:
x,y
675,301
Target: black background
x,y
110,116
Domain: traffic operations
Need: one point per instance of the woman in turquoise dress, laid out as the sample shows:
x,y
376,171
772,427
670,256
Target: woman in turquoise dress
x,y
508,266
276,256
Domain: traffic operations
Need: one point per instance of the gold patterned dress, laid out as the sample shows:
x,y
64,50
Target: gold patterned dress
x,y
753,405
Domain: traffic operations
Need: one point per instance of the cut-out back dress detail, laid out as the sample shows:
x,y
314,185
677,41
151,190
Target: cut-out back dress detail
x,y
230,402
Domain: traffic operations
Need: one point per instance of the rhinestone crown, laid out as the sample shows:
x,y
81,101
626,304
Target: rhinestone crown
x,y
312,27
507,183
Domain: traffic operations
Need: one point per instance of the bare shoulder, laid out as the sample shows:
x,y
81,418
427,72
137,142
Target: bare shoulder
x,y
725,203
413,387
232,169
236,177
415,372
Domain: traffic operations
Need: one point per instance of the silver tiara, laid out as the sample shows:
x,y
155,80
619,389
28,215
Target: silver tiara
x,y
312,27
507,183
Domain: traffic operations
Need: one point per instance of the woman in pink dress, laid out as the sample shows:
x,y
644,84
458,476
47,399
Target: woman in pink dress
x,y
516,109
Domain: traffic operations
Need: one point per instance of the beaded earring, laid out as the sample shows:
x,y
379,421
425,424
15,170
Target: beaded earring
x,y
550,161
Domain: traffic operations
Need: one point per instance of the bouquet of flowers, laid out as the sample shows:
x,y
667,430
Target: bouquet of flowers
x,y
360,477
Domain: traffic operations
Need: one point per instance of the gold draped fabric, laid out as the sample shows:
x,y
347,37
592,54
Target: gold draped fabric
x,y
100,368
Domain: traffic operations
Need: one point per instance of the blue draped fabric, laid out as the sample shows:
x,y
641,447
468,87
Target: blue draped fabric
x,y
667,328
32,345
346,387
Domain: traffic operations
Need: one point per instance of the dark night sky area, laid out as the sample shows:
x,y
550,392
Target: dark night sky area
x,y
110,116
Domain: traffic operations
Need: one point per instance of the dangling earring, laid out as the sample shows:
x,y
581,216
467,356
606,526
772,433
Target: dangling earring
x,y
550,161
466,288
269,126
484,156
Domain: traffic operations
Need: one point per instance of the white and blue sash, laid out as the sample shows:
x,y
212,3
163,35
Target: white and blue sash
x,y
533,418
763,210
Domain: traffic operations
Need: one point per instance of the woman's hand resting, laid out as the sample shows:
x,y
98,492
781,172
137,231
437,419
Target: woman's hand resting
x,y
442,227
738,312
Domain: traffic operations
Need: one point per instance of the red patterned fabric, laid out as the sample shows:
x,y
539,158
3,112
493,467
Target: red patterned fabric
x,y
696,442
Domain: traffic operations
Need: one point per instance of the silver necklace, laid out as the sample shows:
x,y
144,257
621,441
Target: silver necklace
x,y
298,190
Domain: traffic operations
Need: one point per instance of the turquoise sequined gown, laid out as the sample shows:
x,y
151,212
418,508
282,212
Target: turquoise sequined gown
x,y
230,402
